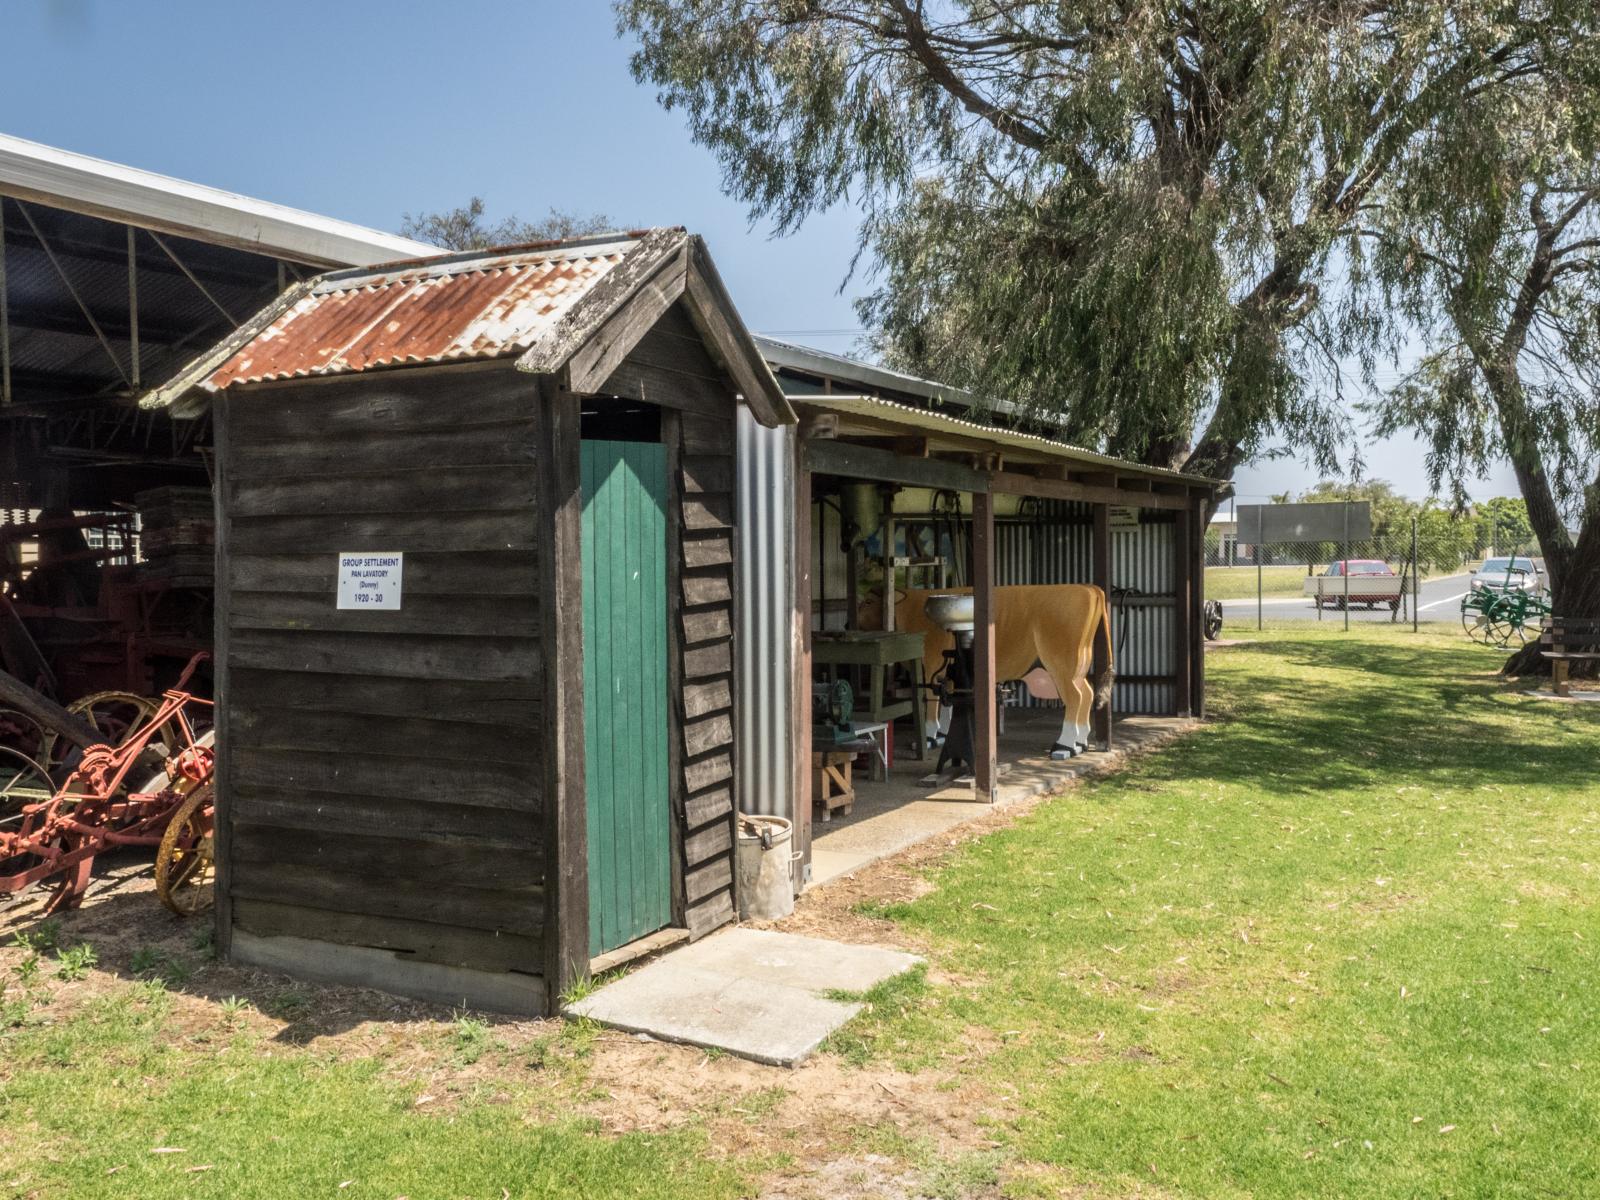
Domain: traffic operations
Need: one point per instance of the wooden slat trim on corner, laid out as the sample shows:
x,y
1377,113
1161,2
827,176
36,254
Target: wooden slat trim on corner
x,y
566,950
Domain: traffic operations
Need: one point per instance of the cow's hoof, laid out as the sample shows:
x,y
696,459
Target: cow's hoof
x,y
1083,747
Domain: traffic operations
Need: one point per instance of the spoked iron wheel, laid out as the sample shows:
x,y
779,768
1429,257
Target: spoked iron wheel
x,y
1475,625
1528,622
23,781
1480,625
185,864
1512,630
21,732
114,715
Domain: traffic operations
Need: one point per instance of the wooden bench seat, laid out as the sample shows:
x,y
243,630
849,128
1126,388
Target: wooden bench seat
x,y
1566,640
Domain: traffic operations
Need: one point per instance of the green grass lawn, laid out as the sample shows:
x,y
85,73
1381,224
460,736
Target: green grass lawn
x,y
1237,583
1343,943
1340,943
121,1101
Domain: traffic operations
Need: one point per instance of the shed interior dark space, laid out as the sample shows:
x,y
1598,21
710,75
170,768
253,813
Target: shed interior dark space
x,y
105,507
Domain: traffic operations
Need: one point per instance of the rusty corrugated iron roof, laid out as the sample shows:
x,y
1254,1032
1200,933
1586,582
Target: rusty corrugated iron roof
x,y
486,304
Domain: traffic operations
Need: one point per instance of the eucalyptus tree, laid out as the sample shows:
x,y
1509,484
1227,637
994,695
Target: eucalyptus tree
x,y
1124,216
1505,289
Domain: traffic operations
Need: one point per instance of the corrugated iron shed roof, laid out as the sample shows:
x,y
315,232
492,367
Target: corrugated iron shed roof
x,y
904,416
577,307
477,306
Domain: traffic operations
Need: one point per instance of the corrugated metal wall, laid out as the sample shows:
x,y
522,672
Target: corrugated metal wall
x,y
1048,550
1052,543
763,642
1041,547
1144,620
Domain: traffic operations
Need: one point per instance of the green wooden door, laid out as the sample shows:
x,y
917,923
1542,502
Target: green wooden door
x,y
625,690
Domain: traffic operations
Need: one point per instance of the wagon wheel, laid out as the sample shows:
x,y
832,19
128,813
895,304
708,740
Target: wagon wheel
x,y
21,732
1508,629
185,863
23,781
1477,622
1528,619
114,715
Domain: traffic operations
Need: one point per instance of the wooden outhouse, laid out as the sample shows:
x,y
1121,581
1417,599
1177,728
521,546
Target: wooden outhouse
x,y
474,641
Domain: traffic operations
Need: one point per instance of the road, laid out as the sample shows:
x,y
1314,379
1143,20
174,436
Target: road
x,y
1440,601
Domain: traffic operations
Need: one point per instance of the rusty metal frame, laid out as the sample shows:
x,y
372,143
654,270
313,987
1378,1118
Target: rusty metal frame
x,y
91,812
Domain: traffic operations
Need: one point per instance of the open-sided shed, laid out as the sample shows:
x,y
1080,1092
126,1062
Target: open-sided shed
x,y
475,614
963,483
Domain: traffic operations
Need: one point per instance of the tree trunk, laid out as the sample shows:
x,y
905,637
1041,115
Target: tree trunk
x,y
1573,593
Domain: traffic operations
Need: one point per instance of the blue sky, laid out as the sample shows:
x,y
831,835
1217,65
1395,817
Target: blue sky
x,y
367,110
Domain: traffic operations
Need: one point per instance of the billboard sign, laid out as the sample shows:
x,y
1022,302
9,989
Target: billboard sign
x,y
1263,524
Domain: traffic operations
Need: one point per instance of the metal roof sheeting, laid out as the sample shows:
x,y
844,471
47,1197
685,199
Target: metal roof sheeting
x,y
486,305
810,360
79,183
888,411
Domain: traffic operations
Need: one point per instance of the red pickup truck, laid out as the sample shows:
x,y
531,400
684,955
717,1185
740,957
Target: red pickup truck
x,y
1366,568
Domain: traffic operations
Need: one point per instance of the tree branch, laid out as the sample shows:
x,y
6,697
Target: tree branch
x,y
915,34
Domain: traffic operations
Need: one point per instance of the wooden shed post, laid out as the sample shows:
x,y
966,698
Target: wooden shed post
x,y
1183,618
1100,569
984,715
566,895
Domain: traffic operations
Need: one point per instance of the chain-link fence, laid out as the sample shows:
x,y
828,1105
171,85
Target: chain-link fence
x,y
1413,576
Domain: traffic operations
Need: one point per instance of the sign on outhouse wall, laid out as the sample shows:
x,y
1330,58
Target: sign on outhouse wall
x,y
370,580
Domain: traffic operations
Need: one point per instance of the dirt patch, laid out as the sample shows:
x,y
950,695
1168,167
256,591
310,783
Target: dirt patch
x,y
826,1128
1541,889
806,1111
813,1125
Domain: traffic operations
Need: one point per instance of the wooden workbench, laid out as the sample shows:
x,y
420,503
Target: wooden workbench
x,y
877,652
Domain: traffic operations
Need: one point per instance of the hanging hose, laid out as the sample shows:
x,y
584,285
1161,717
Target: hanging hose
x,y
948,524
1119,597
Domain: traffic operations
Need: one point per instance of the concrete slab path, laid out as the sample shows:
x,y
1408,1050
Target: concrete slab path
x,y
752,992
901,811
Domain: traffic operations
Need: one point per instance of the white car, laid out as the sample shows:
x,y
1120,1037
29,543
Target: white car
x,y
1514,573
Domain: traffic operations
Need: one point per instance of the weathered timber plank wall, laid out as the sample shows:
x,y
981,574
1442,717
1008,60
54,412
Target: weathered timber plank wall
x,y
382,770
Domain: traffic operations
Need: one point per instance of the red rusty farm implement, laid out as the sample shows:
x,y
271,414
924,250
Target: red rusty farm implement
x,y
53,833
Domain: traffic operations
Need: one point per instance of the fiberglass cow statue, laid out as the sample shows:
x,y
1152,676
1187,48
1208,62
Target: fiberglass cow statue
x,y
1053,625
